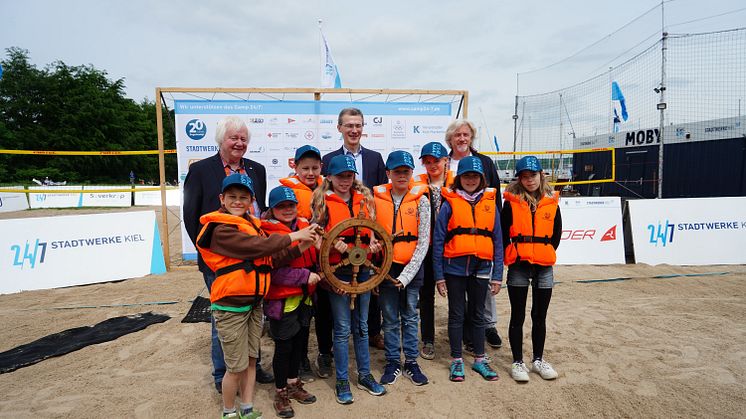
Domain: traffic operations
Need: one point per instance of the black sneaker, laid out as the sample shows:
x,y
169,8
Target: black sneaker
x,y
324,365
493,338
304,373
263,377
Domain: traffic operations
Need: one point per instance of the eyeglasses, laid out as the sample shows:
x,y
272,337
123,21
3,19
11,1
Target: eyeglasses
x,y
351,126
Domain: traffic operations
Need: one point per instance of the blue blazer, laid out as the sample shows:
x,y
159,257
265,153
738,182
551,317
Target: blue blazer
x,y
374,171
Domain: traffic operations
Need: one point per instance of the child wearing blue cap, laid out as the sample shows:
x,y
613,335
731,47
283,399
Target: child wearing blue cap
x,y
288,302
307,177
532,227
234,246
403,210
434,157
468,260
337,199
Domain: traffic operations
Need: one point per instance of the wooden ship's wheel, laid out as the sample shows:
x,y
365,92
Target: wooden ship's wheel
x,y
357,256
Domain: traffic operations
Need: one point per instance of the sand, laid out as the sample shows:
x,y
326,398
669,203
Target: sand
x,y
643,347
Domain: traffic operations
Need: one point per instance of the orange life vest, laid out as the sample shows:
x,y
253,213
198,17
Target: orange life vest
x,y
233,277
403,221
306,260
338,211
302,192
530,238
425,180
470,228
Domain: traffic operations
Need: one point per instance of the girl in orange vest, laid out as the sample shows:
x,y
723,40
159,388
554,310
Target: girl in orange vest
x,y
288,302
403,210
434,157
337,199
307,166
467,255
532,226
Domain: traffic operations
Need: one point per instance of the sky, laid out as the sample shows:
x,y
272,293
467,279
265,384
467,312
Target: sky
x,y
479,46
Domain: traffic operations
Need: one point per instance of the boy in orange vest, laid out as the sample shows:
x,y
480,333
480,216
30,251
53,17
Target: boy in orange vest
x,y
403,209
233,245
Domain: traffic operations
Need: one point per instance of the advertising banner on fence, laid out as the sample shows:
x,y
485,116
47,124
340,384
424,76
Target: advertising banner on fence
x,y
106,199
153,198
13,201
278,128
52,252
56,200
691,231
591,231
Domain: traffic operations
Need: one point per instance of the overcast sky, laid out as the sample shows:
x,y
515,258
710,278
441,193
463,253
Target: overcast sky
x,y
474,45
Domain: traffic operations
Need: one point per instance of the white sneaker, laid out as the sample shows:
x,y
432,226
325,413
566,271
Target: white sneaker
x,y
519,372
544,369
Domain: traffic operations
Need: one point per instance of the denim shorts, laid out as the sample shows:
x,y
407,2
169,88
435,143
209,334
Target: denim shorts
x,y
522,274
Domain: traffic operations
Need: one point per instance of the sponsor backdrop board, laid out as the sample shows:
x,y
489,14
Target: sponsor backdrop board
x,y
13,201
52,252
278,128
106,199
591,231
689,231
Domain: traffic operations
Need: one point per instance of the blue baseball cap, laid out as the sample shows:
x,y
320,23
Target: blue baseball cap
x,y
399,158
307,149
527,163
240,180
281,194
434,149
470,164
342,163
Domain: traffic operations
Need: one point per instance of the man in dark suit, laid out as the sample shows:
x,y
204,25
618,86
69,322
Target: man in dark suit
x,y
201,189
370,164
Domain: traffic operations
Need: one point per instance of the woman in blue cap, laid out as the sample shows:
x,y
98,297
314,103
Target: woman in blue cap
x,y
532,226
468,260
337,199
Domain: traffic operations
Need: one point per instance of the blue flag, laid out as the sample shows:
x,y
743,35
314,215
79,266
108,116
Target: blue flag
x,y
616,94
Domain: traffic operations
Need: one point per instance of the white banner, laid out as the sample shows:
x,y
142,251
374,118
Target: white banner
x,y
13,201
153,198
278,128
591,231
107,199
51,252
689,231
56,200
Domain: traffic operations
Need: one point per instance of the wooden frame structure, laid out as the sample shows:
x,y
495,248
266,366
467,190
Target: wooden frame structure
x,y
317,95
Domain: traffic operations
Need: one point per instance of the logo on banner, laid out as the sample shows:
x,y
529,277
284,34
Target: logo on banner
x,y
256,120
377,120
609,235
326,121
662,233
326,135
291,120
308,135
196,129
398,129
31,254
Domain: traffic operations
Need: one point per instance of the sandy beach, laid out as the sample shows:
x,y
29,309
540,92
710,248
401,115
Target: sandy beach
x,y
640,347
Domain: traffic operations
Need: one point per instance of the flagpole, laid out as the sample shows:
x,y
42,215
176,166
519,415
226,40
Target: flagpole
x,y
321,55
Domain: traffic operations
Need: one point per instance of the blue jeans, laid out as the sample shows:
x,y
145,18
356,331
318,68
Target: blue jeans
x,y
218,363
400,319
348,322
